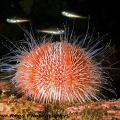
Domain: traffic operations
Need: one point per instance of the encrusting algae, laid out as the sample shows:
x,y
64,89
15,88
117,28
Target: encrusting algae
x,y
12,107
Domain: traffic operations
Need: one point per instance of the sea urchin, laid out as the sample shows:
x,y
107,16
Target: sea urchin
x,y
68,70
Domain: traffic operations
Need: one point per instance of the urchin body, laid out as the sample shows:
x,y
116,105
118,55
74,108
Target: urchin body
x,y
62,71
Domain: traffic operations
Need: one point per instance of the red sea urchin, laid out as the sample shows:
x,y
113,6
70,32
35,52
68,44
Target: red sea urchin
x,y
68,70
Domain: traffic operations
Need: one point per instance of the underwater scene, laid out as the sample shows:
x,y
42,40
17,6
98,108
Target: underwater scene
x,y
59,60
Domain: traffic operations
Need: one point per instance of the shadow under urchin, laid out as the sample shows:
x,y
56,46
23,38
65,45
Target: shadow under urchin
x,y
69,69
